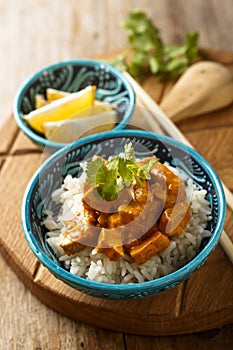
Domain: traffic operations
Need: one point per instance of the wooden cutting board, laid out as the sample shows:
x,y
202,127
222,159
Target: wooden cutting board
x,y
202,302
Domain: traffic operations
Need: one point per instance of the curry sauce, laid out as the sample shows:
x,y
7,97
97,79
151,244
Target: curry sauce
x,y
140,221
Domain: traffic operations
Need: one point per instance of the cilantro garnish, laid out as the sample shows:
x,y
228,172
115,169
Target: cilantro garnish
x,y
149,53
110,177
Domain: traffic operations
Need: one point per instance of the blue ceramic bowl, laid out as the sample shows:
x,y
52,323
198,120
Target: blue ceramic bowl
x,y
72,76
67,161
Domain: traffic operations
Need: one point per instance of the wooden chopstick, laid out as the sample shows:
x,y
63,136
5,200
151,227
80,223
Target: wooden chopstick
x,y
150,119
169,127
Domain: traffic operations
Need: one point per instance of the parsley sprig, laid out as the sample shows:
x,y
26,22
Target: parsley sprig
x,y
110,177
150,53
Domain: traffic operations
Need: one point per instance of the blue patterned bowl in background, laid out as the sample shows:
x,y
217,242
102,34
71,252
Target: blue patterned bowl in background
x,y
66,161
72,76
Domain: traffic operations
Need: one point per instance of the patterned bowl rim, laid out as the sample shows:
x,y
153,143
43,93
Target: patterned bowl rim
x,y
85,62
161,282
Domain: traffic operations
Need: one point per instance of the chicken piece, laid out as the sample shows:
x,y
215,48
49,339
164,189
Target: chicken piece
x,y
120,219
151,246
103,220
141,192
125,215
158,183
159,189
136,220
92,199
173,220
77,237
175,187
130,241
71,247
110,243
91,214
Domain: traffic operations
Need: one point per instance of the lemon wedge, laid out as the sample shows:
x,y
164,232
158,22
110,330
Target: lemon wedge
x,y
40,101
54,94
61,108
99,106
67,131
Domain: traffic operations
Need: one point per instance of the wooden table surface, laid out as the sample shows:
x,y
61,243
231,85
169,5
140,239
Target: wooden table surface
x,y
35,34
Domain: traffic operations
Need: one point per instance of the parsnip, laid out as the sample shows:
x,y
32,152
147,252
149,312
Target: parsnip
x,y
205,86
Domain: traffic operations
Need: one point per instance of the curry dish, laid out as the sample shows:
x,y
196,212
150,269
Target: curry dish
x,y
139,222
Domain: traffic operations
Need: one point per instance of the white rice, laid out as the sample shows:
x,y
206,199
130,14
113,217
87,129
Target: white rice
x,y
97,267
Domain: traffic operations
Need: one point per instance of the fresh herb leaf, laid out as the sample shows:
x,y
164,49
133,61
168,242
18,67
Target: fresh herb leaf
x,y
129,152
149,49
144,170
93,168
110,177
149,53
106,180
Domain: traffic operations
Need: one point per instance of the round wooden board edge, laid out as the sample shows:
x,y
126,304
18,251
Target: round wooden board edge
x,y
164,327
